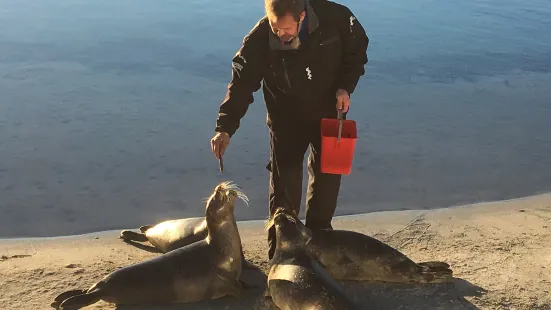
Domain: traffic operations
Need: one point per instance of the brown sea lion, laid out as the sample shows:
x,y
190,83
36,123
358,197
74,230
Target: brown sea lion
x,y
207,269
295,281
350,255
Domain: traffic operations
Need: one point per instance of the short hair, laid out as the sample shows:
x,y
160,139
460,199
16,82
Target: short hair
x,y
280,8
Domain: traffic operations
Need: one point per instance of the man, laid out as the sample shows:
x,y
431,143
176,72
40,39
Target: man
x,y
310,56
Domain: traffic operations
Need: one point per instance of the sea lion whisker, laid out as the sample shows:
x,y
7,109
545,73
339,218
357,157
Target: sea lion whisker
x,y
243,197
231,187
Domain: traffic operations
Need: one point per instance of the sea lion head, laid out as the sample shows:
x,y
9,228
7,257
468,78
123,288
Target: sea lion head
x,y
222,200
290,230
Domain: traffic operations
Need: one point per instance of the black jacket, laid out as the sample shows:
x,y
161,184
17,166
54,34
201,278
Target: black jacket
x,y
299,83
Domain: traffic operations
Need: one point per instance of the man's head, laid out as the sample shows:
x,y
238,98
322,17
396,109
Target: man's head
x,y
285,17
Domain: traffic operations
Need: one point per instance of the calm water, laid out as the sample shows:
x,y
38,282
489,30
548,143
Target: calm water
x,y
107,108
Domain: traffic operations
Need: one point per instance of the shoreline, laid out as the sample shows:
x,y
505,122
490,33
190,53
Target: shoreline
x,y
254,223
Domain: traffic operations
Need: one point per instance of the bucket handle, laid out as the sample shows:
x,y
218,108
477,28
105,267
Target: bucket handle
x,y
340,113
340,118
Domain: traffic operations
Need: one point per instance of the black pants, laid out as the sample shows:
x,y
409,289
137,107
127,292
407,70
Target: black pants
x,y
288,145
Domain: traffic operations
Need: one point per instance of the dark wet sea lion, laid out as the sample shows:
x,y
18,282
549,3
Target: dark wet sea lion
x,y
207,269
350,255
295,281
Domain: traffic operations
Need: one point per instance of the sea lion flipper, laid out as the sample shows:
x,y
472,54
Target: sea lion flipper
x,y
247,264
246,286
144,228
65,295
435,265
436,272
61,297
133,236
81,300
235,287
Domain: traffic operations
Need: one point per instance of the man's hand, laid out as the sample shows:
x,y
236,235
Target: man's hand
x,y
343,100
219,143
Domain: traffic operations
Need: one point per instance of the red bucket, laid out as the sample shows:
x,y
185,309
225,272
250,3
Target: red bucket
x,y
337,155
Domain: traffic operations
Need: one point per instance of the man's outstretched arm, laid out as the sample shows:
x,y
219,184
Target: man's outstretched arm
x,y
247,73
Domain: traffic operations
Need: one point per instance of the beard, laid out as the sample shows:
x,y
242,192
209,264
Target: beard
x,y
287,38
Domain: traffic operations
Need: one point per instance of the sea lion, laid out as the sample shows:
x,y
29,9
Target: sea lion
x,y
350,255
295,281
171,234
207,269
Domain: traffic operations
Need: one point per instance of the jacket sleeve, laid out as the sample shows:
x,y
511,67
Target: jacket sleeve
x,y
247,73
355,42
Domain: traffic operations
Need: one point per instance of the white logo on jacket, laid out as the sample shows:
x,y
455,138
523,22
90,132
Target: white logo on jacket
x,y
352,19
309,73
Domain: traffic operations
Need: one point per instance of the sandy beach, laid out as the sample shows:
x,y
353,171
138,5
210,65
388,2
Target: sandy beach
x,y
499,252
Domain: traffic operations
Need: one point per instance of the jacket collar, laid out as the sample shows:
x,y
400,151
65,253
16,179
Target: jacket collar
x,y
313,24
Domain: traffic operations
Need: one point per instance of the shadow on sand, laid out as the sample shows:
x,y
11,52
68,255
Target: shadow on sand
x,y
415,296
382,296
142,246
